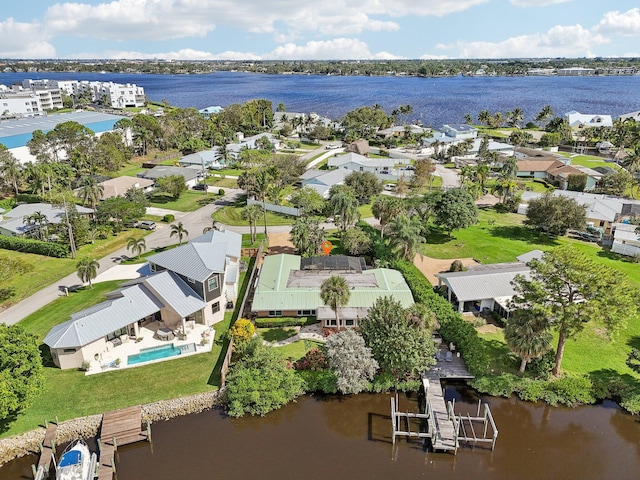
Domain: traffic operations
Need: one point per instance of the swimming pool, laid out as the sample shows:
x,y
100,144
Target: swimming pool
x,y
157,353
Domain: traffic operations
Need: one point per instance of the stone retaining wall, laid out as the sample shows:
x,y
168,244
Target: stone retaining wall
x,y
87,427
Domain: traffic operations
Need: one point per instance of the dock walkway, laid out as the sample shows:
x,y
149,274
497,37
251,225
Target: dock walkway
x,y
445,435
47,450
119,427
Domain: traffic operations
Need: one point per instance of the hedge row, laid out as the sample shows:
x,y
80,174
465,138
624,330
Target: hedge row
x,y
453,327
273,322
28,245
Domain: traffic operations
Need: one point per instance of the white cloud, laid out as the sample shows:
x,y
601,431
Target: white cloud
x,y
559,41
536,3
24,40
336,49
627,23
429,56
183,54
167,19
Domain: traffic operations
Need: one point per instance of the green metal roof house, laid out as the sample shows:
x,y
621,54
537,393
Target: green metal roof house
x,y
289,286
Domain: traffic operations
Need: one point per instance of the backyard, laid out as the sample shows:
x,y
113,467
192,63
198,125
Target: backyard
x,y
69,393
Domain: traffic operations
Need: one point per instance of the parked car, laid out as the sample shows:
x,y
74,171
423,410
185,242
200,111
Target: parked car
x,y
200,186
389,187
147,225
331,147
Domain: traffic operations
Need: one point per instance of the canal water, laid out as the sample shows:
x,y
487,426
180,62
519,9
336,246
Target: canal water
x,y
350,437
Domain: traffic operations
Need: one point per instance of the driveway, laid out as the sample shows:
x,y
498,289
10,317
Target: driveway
x,y
449,176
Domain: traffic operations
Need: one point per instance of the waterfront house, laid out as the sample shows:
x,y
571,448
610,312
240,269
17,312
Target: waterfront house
x,y
187,290
401,131
579,120
630,116
289,286
14,223
485,288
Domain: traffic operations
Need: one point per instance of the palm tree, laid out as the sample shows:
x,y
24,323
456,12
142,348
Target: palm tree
x,y
335,293
251,213
40,221
515,117
385,209
10,167
215,225
484,117
482,174
405,236
136,245
544,114
468,119
90,191
344,205
264,179
509,168
180,231
87,270
527,338
307,236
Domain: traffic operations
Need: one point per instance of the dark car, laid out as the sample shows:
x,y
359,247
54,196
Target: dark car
x,y
200,186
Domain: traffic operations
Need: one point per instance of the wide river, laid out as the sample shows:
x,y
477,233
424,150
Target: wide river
x,y
434,100
350,438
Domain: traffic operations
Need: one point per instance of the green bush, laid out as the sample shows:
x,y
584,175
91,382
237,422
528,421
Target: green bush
x,y
496,385
531,390
168,218
28,245
324,381
270,322
572,390
28,198
220,192
630,401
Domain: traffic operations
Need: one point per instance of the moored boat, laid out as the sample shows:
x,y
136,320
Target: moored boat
x,y
76,463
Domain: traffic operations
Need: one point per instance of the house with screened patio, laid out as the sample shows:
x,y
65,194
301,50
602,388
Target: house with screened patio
x,y
185,291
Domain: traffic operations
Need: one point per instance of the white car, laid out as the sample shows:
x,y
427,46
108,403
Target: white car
x,y
331,147
389,187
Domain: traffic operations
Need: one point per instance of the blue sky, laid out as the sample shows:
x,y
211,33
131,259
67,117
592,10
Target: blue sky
x,y
319,29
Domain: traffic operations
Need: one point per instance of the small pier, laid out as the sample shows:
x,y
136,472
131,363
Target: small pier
x,y
47,450
439,423
119,427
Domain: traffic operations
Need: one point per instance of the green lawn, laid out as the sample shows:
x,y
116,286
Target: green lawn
x,y
296,350
537,187
230,215
70,394
225,183
189,201
365,211
587,160
43,271
235,172
276,334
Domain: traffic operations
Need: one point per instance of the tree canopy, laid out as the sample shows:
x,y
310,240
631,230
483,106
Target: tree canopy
x,y
351,360
455,209
21,372
567,289
555,214
402,346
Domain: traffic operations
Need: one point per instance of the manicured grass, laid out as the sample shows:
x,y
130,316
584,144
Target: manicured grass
x,y
70,394
189,201
276,334
230,215
537,187
588,160
296,350
225,183
246,240
47,270
365,211
226,171
309,146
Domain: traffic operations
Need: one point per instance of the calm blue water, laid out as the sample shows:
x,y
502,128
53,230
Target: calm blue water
x,y
153,353
434,100
21,140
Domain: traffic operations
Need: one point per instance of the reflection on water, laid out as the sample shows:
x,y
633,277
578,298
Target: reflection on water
x,y
321,437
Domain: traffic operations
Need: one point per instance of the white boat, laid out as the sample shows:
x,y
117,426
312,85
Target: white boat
x,y
76,463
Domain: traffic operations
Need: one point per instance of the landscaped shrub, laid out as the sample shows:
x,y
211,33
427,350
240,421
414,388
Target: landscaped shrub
x,y
168,218
220,192
271,322
313,360
28,245
324,381
29,198
497,385
630,401
531,390
571,391
541,367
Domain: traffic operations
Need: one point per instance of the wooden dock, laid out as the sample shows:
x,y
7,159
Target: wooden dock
x,y
47,450
119,427
445,437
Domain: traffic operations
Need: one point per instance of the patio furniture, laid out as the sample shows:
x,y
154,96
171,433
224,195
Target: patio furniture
x,y
449,357
165,334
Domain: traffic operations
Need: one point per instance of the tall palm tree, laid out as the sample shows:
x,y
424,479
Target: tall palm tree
x,y
335,293
509,168
484,117
40,221
527,338
307,236
251,213
90,191
264,179
385,209
515,117
87,270
544,114
405,236
10,167
344,205
179,231
136,245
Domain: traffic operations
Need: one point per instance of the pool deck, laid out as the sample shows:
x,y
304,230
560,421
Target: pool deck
x,y
106,362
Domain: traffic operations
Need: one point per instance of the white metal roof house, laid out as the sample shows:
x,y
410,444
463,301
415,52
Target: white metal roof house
x,y
322,180
234,149
626,239
579,120
204,159
289,285
189,286
191,174
15,226
383,168
485,287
